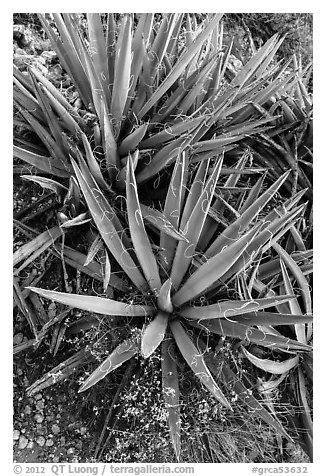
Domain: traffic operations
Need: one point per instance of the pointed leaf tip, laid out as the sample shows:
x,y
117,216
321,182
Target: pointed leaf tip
x,y
154,334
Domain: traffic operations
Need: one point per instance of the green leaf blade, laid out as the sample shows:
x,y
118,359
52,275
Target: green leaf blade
x,y
125,351
196,362
154,334
212,270
138,233
95,304
170,388
271,366
228,309
108,226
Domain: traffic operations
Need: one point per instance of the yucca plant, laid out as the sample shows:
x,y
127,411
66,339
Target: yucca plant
x,y
159,87
290,143
182,275
150,91
290,270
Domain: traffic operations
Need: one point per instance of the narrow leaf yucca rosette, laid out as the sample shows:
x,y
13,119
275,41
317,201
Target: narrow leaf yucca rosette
x,y
146,90
173,313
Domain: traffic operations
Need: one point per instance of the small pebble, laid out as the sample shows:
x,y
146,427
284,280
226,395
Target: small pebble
x,y
39,418
79,445
83,430
27,410
40,405
23,441
62,440
71,450
38,396
40,440
30,445
39,429
49,442
56,459
16,434
55,429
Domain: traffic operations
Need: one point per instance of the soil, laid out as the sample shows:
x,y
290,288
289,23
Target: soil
x,y
47,426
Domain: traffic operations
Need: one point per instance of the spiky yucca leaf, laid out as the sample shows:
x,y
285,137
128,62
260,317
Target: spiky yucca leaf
x,y
154,334
125,351
196,362
50,184
254,405
241,331
170,389
272,319
212,270
229,309
30,251
60,372
234,230
102,213
193,226
139,236
105,306
271,366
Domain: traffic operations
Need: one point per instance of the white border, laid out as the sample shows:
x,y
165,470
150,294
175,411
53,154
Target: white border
x,y
319,188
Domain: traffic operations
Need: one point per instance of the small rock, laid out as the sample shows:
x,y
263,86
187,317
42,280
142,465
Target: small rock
x,y
71,427
16,435
55,429
71,450
23,442
30,445
49,55
56,459
18,338
39,418
38,396
49,442
79,445
62,440
40,429
40,405
20,51
27,410
40,440
83,430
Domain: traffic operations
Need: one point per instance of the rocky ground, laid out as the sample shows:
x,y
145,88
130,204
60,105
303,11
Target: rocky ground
x,y
47,427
